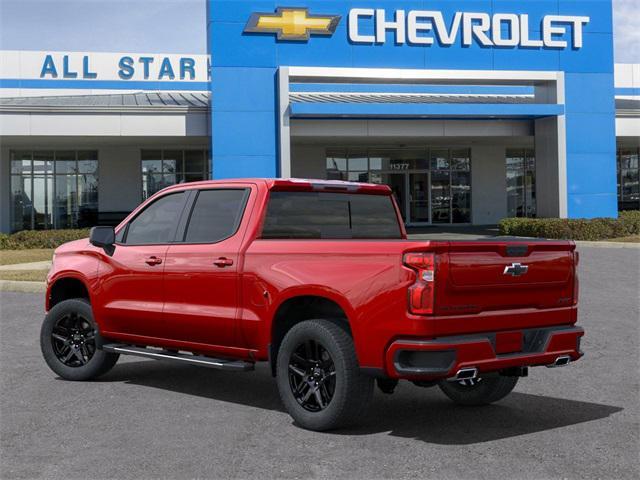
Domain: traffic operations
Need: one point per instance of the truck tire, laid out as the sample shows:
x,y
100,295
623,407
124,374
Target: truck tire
x,y
69,342
318,376
480,391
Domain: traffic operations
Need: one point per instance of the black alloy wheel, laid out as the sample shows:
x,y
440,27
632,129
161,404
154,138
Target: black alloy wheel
x,y
70,342
319,380
73,339
312,376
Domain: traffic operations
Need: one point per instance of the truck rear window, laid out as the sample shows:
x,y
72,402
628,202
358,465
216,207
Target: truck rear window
x,y
330,215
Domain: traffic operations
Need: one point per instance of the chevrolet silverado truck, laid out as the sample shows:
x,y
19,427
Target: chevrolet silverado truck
x,y
319,279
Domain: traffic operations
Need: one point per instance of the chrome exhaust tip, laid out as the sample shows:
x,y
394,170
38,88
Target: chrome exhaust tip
x,y
468,373
561,361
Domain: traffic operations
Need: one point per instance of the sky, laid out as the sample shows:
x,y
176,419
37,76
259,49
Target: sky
x,y
173,26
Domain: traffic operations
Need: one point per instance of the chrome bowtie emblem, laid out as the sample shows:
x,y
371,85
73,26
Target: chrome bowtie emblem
x,y
515,269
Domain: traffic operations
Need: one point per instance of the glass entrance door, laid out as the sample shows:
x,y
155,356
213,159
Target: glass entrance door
x,y
397,182
411,191
431,185
419,198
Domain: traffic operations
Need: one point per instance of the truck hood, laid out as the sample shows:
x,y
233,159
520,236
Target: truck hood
x,y
74,246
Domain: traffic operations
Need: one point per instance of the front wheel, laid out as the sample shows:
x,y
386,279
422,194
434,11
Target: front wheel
x,y
68,342
318,376
478,391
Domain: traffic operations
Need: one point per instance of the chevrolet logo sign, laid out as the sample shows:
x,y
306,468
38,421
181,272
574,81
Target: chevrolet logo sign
x,y
515,269
292,24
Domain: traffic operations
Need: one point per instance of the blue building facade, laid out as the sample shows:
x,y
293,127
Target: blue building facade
x,y
471,111
547,63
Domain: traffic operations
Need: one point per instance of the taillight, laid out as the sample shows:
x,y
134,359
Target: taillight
x,y
421,293
576,280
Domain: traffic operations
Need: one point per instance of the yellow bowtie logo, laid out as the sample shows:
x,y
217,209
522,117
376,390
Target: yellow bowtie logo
x,y
292,24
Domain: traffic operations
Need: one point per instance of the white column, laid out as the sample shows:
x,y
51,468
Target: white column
x,y
551,153
283,123
488,184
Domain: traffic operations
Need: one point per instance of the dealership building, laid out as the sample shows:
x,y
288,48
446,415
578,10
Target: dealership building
x,y
469,111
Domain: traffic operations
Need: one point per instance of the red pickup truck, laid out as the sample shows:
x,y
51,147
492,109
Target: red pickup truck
x,y
319,279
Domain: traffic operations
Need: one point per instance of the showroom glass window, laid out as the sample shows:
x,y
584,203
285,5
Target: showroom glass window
x,y
450,185
162,168
53,189
521,182
431,185
628,178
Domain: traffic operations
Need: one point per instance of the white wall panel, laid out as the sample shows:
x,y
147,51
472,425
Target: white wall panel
x,y
15,124
628,127
308,161
120,179
488,184
75,125
105,125
154,125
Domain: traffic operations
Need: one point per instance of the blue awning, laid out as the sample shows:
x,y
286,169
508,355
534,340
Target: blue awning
x,y
423,110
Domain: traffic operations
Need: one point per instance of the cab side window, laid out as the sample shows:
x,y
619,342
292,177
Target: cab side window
x,y
156,224
216,215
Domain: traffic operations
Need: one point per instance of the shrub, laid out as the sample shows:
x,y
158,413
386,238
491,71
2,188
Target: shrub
x,y
27,239
4,241
630,221
627,223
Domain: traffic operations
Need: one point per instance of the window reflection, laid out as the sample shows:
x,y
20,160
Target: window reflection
x,y
521,182
628,178
460,197
430,184
163,168
336,164
53,189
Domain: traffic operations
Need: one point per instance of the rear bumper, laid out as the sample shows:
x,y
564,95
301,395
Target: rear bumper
x,y
444,356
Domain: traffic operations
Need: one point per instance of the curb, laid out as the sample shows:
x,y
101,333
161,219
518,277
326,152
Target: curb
x,y
586,243
23,287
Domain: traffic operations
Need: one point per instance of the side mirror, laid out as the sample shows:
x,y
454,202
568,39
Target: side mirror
x,y
103,237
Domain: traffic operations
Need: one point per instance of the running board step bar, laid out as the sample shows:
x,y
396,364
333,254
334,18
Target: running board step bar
x,y
159,354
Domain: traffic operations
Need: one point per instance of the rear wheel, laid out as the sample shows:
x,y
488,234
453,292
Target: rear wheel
x,y
68,340
479,391
318,376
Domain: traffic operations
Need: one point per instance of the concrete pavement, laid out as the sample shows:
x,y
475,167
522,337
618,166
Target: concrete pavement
x,y
147,419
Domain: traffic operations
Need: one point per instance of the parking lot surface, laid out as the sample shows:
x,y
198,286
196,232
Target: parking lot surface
x,y
149,419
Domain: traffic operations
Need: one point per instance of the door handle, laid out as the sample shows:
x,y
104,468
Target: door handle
x,y
153,261
223,262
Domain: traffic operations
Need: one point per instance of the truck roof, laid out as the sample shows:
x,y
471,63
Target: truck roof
x,y
300,184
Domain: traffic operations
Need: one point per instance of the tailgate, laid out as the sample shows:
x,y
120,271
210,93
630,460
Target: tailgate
x,y
473,277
